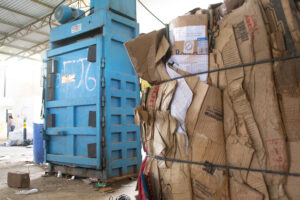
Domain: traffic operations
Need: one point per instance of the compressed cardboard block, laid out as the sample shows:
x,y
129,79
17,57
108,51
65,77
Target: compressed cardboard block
x,y
18,180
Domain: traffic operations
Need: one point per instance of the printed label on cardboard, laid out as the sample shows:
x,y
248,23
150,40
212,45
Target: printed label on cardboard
x,y
275,149
200,190
202,46
188,47
214,112
241,32
188,33
252,25
153,96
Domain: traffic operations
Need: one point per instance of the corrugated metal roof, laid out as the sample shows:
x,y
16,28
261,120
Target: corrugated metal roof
x,y
22,44
36,37
18,16
51,2
27,7
4,28
13,18
9,50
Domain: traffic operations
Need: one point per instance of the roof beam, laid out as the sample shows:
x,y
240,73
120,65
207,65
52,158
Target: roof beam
x,y
18,12
31,51
26,40
38,51
42,3
13,38
15,47
10,24
18,26
84,3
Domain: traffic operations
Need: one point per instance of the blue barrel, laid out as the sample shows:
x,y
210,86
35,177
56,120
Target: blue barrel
x,y
38,147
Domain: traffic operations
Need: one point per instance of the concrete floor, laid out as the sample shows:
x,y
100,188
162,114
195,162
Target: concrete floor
x,y
14,159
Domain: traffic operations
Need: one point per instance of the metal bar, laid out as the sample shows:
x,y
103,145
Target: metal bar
x,y
42,33
28,50
16,47
33,47
42,3
35,52
4,83
41,50
15,38
18,26
84,3
18,12
26,40
10,24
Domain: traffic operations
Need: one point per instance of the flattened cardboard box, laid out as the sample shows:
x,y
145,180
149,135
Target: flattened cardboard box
x,y
242,134
207,143
146,53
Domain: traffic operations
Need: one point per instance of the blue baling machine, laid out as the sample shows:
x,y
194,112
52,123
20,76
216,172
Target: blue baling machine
x,y
90,92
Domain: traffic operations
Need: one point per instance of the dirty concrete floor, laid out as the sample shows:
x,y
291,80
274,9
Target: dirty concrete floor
x,y
14,159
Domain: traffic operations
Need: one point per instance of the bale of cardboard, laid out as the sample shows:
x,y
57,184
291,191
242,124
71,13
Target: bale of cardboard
x,y
245,117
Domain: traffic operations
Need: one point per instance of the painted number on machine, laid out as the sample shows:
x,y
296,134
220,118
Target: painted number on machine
x,y
84,79
76,28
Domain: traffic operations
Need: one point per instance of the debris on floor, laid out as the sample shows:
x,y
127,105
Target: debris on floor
x,y
100,185
107,189
32,191
59,174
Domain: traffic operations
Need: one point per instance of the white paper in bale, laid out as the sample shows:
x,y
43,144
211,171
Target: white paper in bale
x,y
181,101
191,64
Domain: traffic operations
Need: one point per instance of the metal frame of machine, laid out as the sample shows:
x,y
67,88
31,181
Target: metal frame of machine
x,y
91,91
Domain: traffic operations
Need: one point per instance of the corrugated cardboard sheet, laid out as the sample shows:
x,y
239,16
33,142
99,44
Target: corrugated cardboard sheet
x,y
146,53
207,144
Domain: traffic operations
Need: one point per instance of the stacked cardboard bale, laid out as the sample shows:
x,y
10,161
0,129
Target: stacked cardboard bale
x,y
283,22
245,117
